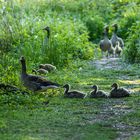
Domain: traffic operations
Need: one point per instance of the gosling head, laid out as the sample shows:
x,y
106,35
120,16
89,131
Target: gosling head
x,y
94,87
41,66
48,30
118,43
66,86
114,85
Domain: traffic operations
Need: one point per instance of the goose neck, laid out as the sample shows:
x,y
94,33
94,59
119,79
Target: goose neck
x,y
23,67
116,29
66,89
96,89
116,87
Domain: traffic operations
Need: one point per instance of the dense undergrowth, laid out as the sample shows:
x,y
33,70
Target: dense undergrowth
x,y
76,29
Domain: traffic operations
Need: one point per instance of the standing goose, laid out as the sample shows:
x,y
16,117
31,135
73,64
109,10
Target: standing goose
x,y
117,92
98,93
33,82
73,94
105,44
115,38
48,31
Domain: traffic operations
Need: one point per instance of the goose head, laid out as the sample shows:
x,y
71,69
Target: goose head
x,y
48,30
41,66
115,26
106,28
67,86
22,59
95,87
115,85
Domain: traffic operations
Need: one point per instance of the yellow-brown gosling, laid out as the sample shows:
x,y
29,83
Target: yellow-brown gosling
x,y
117,92
73,94
40,71
98,93
118,49
48,67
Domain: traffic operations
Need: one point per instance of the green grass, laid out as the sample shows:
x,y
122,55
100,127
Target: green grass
x,y
26,117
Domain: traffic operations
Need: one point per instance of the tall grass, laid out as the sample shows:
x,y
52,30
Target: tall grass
x,y
74,25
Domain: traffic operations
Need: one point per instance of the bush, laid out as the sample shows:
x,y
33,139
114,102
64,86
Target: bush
x,y
132,49
95,27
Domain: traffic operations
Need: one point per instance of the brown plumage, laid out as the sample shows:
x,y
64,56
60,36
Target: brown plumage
x,y
73,94
48,67
105,44
98,93
34,82
115,38
117,92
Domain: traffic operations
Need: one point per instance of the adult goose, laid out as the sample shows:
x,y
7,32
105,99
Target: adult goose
x,y
98,93
105,44
115,38
73,94
117,92
34,82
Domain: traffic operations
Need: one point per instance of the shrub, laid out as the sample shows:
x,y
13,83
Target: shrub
x,y
95,27
132,49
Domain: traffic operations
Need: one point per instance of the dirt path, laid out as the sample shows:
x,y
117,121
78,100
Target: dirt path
x,y
114,109
110,63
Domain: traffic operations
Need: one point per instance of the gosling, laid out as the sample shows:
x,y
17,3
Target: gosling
x,y
98,93
73,94
117,92
47,67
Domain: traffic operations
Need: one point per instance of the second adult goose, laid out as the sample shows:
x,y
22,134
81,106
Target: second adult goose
x,y
115,38
98,93
73,94
34,82
117,92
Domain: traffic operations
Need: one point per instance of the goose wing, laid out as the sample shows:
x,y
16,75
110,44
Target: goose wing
x,y
76,94
101,94
41,81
